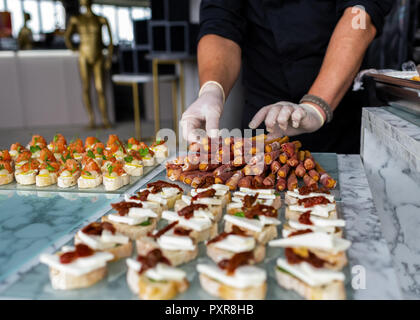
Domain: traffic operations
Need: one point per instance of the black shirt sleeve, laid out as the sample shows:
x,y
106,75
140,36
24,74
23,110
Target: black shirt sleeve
x,y
377,10
224,18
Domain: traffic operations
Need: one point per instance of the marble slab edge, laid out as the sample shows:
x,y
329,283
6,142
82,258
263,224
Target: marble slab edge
x,y
369,254
394,127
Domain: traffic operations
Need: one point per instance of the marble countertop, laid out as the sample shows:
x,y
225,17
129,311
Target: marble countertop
x,y
372,272
391,156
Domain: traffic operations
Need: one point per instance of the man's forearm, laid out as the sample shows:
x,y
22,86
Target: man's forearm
x,y
343,59
219,59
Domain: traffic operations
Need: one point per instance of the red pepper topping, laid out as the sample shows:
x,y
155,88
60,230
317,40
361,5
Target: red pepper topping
x,y
260,210
235,231
249,200
293,258
80,251
142,196
96,228
305,218
163,230
205,194
159,185
179,231
313,201
299,232
239,259
150,260
123,207
188,211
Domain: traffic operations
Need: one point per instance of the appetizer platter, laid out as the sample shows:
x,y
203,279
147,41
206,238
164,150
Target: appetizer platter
x,y
171,241
78,166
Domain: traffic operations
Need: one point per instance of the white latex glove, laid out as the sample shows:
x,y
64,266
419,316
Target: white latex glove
x,y
286,118
205,112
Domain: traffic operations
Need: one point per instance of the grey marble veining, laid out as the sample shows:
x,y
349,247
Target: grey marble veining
x,y
395,185
369,248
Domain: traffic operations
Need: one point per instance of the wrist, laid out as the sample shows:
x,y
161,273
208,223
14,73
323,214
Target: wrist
x,y
211,86
319,105
317,110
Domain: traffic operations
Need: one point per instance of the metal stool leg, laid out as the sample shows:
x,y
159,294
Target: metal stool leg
x,y
182,85
136,105
175,106
156,101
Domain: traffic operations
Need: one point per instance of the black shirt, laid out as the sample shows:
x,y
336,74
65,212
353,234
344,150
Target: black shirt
x,y
283,45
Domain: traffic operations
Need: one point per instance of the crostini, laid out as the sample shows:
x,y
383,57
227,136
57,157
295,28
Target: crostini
x,y
206,198
36,144
319,206
234,280
160,149
91,176
133,164
174,242
293,197
147,155
259,221
132,219
246,197
48,174
141,197
26,174
151,277
22,158
6,172
195,218
58,145
102,236
115,176
225,245
75,268
16,149
310,282
76,149
164,193
69,174
319,249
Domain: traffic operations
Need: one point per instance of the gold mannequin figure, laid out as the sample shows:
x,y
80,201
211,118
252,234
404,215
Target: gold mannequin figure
x,y
25,34
91,59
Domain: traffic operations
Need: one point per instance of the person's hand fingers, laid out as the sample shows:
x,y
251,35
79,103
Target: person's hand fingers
x,y
271,118
277,133
259,117
297,117
212,126
189,126
284,116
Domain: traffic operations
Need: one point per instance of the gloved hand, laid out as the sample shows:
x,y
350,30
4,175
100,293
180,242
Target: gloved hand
x,y
286,118
205,112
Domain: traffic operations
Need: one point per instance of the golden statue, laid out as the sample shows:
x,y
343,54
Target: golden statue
x,y
25,34
91,59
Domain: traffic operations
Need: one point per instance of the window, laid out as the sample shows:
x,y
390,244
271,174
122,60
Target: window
x,y
125,25
31,7
97,9
48,16
109,12
140,13
60,15
15,7
2,3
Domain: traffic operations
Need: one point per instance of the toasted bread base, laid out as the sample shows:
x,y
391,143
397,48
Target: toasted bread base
x,y
25,180
133,171
115,183
151,290
89,183
133,232
46,181
199,236
175,257
6,179
119,252
294,215
333,291
267,234
66,182
220,290
216,211
149,162
217,254
65,281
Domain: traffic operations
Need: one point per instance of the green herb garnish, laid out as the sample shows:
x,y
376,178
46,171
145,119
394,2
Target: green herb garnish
x,y
128,159
34,149
100,150
240,214
110,168
284,271
87,173
74,170
1,167
90,154
50,168
103,158
55,138
145,223
129,145
18,149
144,152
